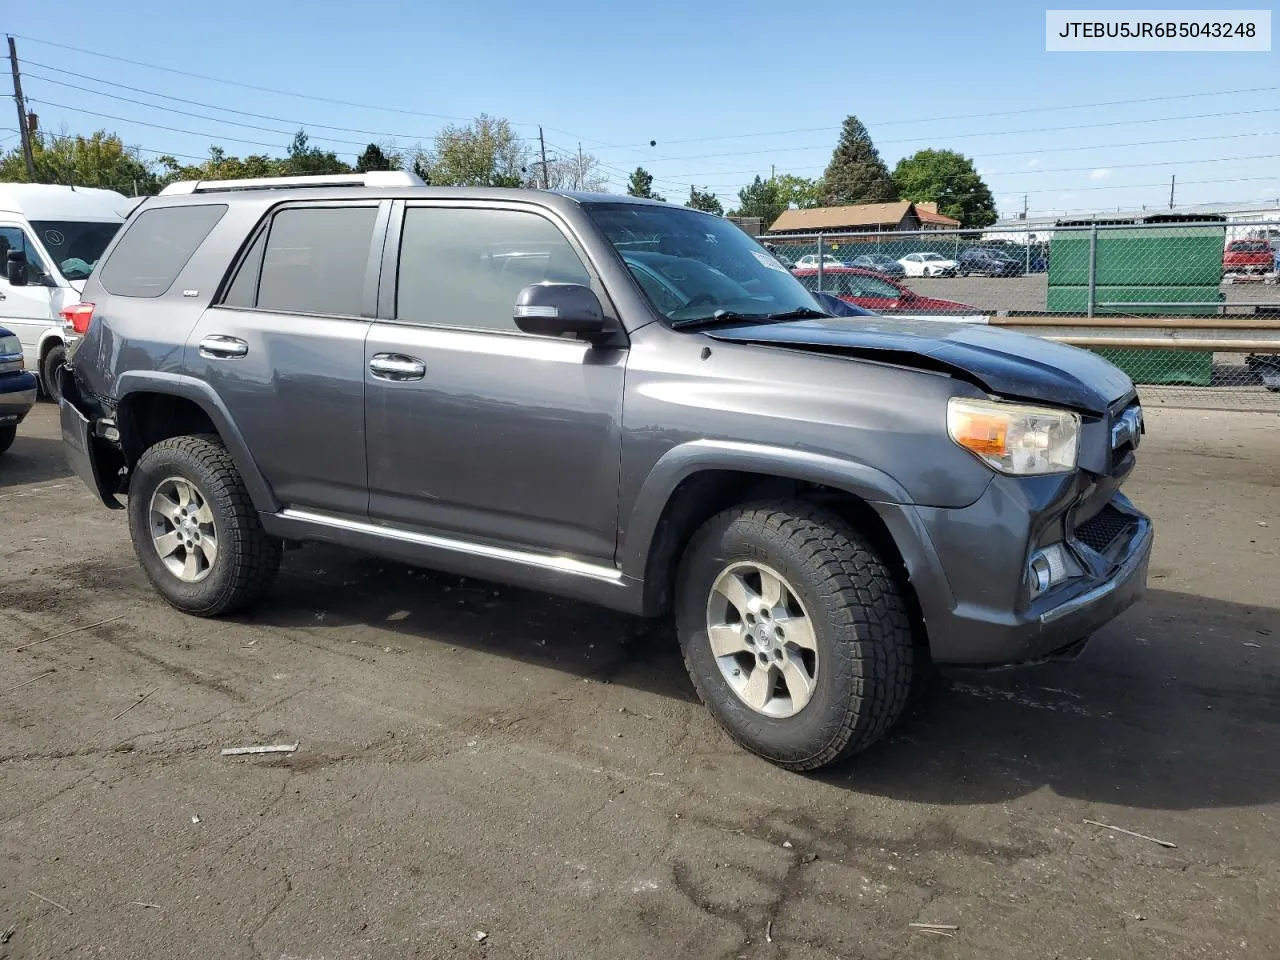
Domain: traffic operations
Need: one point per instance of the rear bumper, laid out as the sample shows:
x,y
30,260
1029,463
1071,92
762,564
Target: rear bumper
x,y
17,397
79,445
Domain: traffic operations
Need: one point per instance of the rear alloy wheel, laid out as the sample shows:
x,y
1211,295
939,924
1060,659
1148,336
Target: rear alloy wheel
x,y
794,631
195,530
49,367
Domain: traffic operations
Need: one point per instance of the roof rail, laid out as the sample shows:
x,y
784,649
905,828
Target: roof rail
x,y
374,178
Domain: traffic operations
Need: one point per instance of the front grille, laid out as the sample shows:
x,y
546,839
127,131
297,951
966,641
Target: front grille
x,y
1103,529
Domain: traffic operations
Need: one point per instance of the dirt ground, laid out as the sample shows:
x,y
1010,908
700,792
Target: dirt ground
x,y
478,759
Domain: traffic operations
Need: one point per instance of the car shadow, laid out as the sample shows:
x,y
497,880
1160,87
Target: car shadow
x,y
33,460
1175,705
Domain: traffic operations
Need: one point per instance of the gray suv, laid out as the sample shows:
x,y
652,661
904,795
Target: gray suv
x,y
612,399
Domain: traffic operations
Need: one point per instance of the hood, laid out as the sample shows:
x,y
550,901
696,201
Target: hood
x,y
1012,365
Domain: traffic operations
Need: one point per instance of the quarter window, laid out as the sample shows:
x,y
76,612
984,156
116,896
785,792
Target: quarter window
x,y
156,247
464,267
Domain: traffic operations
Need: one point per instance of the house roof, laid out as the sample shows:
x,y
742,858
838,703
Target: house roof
x,y
932,216
858,215
852,215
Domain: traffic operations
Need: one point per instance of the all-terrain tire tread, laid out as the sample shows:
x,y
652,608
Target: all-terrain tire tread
x,y
870,609
253,554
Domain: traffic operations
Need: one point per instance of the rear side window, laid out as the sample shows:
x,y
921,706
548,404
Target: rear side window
x,y
314,261
155,248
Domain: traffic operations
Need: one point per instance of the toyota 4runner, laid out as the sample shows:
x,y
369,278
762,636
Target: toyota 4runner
x,y
612,399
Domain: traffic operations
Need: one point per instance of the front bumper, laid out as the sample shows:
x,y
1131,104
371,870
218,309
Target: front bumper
x,y
968,566
17,397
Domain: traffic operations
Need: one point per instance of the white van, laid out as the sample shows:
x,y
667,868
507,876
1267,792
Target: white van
x,y
59,233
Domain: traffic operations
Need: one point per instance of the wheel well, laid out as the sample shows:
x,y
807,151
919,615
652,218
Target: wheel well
x,y
145,419
702,495
48,345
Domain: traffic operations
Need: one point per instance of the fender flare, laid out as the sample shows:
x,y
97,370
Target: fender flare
x,y
696,456
204,397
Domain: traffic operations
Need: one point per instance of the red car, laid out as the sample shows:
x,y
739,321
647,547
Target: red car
x,y
876,292
1248,256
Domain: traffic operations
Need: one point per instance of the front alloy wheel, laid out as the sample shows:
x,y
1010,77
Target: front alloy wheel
x,y
762,639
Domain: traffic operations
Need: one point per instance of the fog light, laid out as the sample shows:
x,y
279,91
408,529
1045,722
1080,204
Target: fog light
x,y
1049,567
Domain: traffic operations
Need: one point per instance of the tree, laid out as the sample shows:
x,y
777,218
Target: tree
x,y
484,153
704,200
856,174
576,171
98,160
306,160
220,166
641,185
760,198
799,192
374,158
950,180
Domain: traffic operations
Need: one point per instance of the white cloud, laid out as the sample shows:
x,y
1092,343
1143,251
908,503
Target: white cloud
x,y
1102,173
1034,162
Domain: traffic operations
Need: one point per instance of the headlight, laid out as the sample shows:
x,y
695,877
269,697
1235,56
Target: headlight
x,y
9,346
1013,438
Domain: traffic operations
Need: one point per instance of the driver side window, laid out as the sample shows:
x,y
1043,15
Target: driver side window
x,y
14,238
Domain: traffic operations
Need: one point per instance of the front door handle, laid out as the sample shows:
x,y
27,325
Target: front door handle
x,y
217,347
397,366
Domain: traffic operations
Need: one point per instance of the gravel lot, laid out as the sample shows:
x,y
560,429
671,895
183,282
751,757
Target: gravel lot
x,y
474,758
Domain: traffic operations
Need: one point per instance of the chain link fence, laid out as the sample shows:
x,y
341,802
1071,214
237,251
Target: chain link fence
x,y
1188,306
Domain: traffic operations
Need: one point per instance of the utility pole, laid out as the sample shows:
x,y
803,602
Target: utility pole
x,y
546,174
1172,181
1024,206
23,130
577,180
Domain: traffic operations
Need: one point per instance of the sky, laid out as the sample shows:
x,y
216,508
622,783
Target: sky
x,y
725,90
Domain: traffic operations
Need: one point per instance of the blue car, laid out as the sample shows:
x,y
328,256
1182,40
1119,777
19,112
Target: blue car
x,y
17,388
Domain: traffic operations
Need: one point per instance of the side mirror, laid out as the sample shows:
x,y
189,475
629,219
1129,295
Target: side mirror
x,y
15,268
556,309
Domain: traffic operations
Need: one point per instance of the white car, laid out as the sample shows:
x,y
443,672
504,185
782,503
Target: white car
x,y
810,262
928,265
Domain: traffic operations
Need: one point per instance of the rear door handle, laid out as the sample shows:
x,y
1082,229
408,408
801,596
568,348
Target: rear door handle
x,y
397,366
217,347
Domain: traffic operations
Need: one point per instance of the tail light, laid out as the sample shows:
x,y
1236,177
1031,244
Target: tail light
x,y
77,317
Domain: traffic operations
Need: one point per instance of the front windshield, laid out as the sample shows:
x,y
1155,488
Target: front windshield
x,y
692,265
75,246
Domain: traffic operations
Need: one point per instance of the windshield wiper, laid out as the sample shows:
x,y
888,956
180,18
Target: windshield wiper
x,y
731,316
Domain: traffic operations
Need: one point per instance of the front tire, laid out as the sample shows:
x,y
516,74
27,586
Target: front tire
x,y
795,633
49,367
195,530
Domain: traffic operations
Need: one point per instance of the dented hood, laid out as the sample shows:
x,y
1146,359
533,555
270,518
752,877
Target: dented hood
x,y
1009,364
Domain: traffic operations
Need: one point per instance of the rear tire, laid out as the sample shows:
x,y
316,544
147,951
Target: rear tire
x,y
195,530
7,435
858,678
49,367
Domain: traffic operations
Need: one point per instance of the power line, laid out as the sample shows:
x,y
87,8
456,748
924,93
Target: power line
x,y
212,106
978,116
993,133
158,126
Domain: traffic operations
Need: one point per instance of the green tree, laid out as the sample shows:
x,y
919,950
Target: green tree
x,y
484,153
375,158
704,200
98,160
950,180
799,192
306,160
641,185
760,198
220,166
856,174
